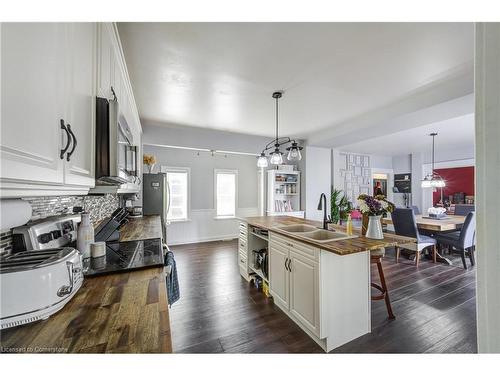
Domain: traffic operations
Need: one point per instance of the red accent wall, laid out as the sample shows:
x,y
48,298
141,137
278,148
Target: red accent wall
x,y
457,180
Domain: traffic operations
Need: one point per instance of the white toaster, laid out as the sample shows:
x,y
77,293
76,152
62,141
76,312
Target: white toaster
x,y
36,284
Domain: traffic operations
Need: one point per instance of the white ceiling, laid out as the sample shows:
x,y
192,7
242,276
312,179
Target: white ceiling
x,y
221,75
456,133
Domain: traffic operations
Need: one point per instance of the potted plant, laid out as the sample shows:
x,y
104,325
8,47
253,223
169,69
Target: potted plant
x,y
340,206
150,161
373,208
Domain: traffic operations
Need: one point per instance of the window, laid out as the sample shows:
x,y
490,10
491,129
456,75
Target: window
x,y
225,192
178,182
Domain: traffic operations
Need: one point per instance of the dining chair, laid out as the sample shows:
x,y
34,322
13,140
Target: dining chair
x,y
405,224
464,240
416,210
463,209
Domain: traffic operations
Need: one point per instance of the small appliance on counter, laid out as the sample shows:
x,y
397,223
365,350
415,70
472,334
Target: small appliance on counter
x,y
37,283
48,233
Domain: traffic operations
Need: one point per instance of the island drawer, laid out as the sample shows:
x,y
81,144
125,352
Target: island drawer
x,y
299,247
243,229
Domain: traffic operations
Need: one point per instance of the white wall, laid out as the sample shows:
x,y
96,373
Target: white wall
x,y
202,225
488,185
318,171
401,163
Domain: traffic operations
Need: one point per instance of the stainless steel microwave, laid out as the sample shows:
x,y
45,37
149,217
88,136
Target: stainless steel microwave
x,y
116,155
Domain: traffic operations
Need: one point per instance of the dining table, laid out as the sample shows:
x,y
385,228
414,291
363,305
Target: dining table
x,y
433,225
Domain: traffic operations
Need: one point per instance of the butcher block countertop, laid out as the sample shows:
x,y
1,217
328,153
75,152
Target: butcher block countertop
x,y
341,247
116,313
141,228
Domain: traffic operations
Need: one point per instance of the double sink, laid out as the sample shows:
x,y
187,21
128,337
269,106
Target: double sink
x,y
315,234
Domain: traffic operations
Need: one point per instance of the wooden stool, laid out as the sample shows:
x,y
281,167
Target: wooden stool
x,y
376,257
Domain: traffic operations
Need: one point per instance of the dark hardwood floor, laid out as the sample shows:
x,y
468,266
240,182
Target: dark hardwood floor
x,y
219,312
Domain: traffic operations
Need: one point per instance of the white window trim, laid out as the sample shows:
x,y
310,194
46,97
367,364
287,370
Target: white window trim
x,y
228,171
165,169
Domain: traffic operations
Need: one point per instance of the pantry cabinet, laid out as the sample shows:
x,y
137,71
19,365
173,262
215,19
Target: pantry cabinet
x,y
51,74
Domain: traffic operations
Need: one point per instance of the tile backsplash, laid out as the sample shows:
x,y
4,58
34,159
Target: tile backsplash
x,y
99,206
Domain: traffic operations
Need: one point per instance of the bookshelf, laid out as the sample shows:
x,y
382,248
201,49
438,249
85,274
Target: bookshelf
x,y
283,193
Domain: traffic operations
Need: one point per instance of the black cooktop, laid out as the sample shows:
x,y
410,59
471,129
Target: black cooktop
x,y
125,256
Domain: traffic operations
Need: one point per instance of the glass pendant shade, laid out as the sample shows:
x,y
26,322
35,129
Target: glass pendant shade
x,y
433,181
294,154
277,157
262,161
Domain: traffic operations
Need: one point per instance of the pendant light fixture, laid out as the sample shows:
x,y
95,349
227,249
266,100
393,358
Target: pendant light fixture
x,y
433,180
276,157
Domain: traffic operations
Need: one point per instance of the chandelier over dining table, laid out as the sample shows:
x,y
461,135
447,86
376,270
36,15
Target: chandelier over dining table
x,y
276,156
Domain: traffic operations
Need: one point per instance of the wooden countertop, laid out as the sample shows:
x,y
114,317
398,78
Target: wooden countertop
x,y
141,228
341,247
116,313
122,312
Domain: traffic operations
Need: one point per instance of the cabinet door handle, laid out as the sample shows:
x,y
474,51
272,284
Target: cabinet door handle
x,y
286,260
74,143
63,151
290,265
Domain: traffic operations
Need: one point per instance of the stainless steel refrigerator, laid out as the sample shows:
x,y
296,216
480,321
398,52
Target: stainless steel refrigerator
x,y
156,198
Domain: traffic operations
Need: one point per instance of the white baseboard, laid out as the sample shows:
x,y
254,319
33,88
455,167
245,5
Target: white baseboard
x,y
204,239
203,226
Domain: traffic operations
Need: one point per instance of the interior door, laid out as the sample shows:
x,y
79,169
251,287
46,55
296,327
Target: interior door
x,y
304,291
279,281
34,63
79,168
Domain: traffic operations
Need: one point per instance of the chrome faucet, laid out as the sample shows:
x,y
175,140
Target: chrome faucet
x,y
322,206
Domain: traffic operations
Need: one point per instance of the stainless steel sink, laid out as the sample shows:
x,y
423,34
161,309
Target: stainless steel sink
x,y
299,228
323,236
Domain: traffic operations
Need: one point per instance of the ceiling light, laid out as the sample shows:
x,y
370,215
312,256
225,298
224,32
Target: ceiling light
x,y
433,180
262,161
277,156
294,152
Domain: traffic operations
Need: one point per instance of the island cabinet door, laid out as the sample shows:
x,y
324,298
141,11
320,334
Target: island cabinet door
x,y
279,280
304,291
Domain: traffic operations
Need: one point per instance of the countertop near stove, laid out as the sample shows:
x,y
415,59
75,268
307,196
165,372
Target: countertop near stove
x,y
141,228
123,313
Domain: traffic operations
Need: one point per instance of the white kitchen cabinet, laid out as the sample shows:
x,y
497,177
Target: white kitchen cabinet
x,y
51,73
105,60
294,280
79,169
34,63
279,278
48,73
304,291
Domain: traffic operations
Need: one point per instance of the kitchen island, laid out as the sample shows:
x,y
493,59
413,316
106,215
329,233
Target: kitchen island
x,y
123,312
320,279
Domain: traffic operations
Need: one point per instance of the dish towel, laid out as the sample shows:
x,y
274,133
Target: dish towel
x,y
173,291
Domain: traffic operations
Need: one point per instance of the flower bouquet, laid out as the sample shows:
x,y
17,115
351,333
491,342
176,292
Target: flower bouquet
x,y
150,161
372,209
